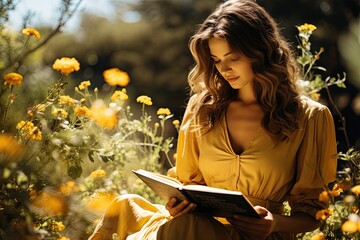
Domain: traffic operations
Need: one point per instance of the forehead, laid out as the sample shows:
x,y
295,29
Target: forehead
x,y
219,47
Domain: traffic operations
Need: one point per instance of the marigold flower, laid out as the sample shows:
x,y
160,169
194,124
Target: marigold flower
x,y
66,65
98,174
318,236
39,108
84,84
356,189
163,111
343,184
315,96
323,214
12,79
349,226
144,100
31,32
81,111
66,100
306,28
63,238
121,95
115,76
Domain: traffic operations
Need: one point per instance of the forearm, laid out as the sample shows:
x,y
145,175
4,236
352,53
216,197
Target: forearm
x,y
295,224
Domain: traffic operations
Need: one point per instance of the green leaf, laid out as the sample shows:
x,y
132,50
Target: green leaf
x,y
74,171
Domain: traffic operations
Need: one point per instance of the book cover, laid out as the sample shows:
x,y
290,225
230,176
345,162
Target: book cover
x,y
213,201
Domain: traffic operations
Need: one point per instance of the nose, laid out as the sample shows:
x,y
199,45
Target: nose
x,y
224,67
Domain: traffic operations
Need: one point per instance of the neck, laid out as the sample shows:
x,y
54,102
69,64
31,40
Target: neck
x,y
247,96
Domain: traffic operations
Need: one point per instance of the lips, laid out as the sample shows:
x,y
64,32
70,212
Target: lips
x,y
231,79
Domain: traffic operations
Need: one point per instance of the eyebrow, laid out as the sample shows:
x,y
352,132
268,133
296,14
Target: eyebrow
x,y
226,54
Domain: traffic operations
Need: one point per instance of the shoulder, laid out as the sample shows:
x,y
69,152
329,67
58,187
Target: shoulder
x,y
310,108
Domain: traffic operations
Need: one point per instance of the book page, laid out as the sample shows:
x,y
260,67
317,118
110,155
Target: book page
x,y
204,188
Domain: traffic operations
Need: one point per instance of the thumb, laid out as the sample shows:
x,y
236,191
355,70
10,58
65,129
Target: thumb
x,y
261,210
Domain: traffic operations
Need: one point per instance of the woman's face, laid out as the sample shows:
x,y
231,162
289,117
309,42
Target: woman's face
x,y
236,70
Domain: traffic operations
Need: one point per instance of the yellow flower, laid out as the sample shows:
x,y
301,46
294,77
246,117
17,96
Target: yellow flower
x,y
63,238
103,116
157,125
57,226
163,111
66,65
349,226
9,146
39,108
144,100
50,203
324,214
98,174
68,188
29,130
176,123
31,32
356,189
84,84
306,28
120,95
66,100
12,79
318,236
315,96
81,111
344,184
115,76
59,113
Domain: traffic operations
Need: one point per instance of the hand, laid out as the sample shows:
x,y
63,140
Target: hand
x,y
253,227
177,208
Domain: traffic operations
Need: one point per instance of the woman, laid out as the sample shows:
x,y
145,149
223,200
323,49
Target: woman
x,y
246,128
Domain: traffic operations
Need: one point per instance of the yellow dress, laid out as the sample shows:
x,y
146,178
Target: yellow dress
x,y
268,174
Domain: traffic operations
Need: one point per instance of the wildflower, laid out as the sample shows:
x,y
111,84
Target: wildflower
x,y
84,84
318,236
163,111
176,123
144,100
57,226
120,95
29,130
49,203
66,100
324,196
349,226
315,96
39,108
99,202
115,76
31,32
103,116
12,79
12,97
356,189
81,111
344,184
59,113
324,214
98,174
157,125
66,65
9,146
68,188
63,238
306,28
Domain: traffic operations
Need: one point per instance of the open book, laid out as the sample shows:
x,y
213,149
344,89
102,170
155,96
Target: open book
x,y
213,201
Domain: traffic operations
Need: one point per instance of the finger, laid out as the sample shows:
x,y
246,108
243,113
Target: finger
x,y
174,210
191,207
171,203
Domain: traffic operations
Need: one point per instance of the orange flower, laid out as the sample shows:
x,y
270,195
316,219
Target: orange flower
x,y
50,203
31,32
349,227
9,146
324,214
99,201
13,79
66,65
356,189
98,174
115,76
318,236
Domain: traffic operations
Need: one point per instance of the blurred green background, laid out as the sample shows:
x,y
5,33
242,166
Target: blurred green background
x,y
148,39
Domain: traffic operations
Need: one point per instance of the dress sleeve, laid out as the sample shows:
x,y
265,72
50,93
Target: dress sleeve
x,y
316,163
187,161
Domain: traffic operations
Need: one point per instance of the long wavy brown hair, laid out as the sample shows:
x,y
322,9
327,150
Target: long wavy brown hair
x,y
253,33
